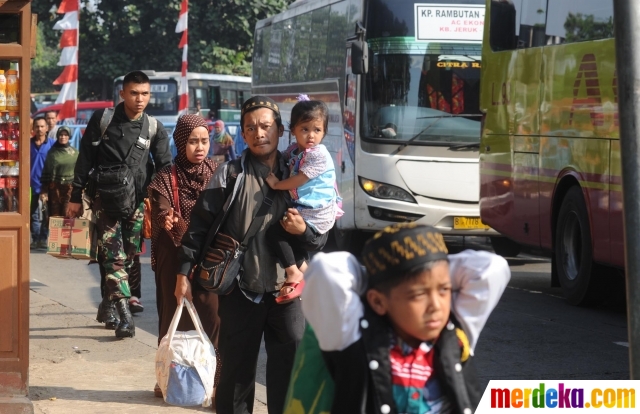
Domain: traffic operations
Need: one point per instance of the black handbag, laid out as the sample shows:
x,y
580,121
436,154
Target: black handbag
x,y
221,261
116,188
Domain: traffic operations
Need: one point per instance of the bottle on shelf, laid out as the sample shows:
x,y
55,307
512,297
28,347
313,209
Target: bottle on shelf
x,y
4,135
4,168
13,102
3,91
13,136
11,196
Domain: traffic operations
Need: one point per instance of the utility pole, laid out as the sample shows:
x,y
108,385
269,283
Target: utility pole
x,y
626,16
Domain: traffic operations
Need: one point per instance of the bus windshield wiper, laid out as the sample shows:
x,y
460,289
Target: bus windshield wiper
x,y
437,118
472,58
465,146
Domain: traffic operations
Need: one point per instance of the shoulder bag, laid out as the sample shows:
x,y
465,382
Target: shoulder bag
x,y
221,261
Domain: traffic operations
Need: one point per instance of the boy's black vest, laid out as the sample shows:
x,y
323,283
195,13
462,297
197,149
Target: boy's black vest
x,y
363,386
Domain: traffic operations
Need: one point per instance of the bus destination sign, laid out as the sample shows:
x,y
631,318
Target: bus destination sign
x,y
449,23
159,88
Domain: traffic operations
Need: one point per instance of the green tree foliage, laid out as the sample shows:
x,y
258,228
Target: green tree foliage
x,y
117,36
581,27
44,68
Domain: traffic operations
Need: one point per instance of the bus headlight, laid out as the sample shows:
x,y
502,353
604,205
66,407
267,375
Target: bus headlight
x,y
385,191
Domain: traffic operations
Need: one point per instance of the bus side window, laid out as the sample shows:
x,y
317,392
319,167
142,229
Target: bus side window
x,y
503,25
570,22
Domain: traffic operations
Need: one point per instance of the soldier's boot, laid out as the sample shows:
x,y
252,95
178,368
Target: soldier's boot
x,y
126,328
107,313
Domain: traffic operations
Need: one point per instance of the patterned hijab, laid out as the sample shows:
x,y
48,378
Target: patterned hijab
x,y
191,178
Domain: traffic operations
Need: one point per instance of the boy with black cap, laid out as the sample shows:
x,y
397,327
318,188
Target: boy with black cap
x,y
399,336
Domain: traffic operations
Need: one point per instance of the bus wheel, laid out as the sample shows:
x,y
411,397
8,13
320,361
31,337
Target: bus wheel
x,y
578,275
505,247
351,241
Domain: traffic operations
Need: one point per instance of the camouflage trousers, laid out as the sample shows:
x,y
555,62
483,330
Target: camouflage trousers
x,y
118,243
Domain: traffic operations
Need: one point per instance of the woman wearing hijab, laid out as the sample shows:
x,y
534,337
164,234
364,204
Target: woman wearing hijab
x,y
57,173
170,220
221,143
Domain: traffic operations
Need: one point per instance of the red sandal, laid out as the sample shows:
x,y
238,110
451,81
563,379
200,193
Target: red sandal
x,y
291,296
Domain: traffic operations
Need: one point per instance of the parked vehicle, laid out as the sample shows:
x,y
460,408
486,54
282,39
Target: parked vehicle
x,y
42,100
550,169
220,94
85,110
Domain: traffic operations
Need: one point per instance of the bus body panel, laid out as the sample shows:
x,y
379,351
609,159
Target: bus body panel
x,y
579,132
530,150
616,222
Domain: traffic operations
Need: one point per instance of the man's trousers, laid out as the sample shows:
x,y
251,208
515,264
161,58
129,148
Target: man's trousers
x,y
243,324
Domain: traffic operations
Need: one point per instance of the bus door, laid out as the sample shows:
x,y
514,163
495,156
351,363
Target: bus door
x,y
526,146
345,160
214,101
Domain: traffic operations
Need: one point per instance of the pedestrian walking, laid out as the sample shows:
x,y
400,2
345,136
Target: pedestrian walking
x,y
114,154
173,194
398,337
135,273
250,310
312,187
57,173
40,146
52,124
222,144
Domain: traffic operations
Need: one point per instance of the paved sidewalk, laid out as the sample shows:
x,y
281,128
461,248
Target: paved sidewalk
x,y
78,367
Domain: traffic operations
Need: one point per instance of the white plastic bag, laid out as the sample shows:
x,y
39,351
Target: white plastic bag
x,y
186,363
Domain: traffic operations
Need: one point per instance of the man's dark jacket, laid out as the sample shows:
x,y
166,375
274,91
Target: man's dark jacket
x,y
120,136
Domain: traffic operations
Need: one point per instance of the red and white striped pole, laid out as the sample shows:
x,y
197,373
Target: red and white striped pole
x,y
182,25
69,25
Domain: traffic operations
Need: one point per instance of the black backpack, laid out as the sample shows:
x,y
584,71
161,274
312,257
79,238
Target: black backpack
x,y
116,184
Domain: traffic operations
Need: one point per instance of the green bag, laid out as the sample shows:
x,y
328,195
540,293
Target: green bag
x,y
311,388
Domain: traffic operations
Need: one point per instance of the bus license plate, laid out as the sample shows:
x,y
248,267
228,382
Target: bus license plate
x,y
468,223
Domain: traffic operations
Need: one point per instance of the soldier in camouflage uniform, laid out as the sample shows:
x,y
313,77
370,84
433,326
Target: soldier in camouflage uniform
x,y
110,143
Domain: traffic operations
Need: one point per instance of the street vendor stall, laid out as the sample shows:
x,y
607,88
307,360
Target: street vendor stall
x,y
17,33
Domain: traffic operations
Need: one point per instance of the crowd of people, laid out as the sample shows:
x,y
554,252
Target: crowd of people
x,y
394,333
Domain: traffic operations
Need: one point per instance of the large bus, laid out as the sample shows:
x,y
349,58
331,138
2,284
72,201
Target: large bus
x,y
550,149
401,79
220,94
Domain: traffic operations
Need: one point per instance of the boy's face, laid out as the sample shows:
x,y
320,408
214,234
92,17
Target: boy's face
x,y
418,309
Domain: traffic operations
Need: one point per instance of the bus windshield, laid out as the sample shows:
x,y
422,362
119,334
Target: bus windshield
x,y
422,93
164,97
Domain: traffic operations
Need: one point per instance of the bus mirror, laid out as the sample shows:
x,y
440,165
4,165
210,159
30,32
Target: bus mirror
x,y
359,58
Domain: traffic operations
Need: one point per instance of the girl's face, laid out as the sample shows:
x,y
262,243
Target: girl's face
x,y
309,134
198,145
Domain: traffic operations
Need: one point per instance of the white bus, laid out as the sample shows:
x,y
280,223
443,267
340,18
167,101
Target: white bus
x,y
401,79
222,94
